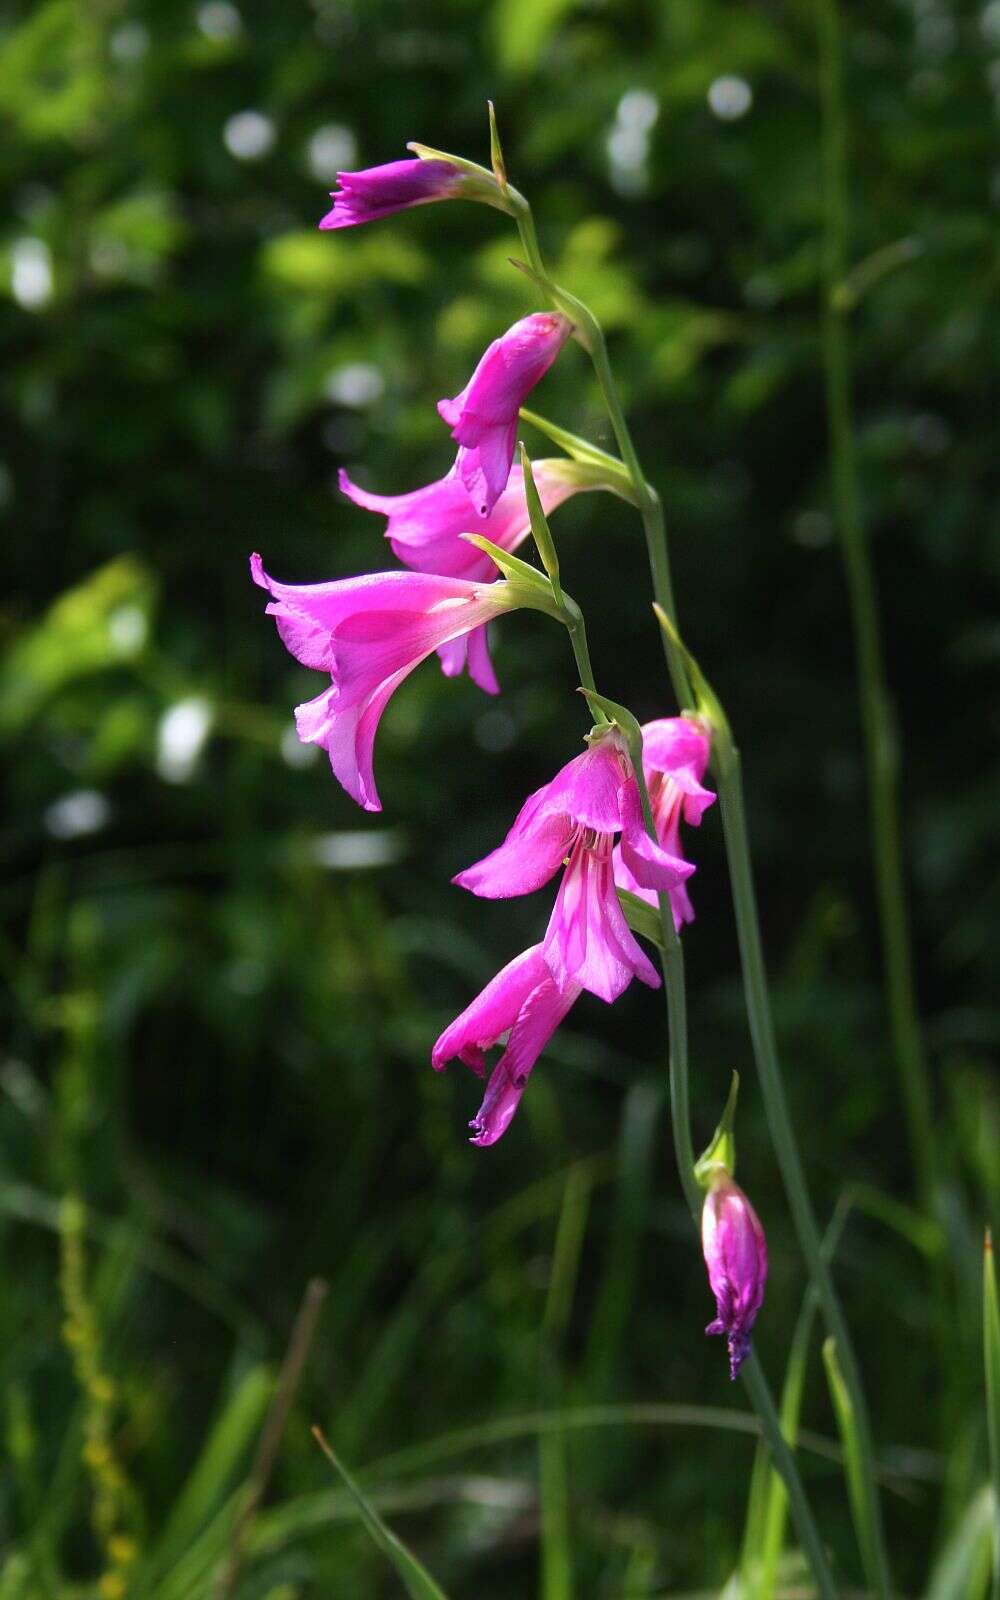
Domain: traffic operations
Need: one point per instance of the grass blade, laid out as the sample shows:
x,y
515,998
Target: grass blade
x,y
413,1575
557,1548
853,1466
962,1571
991,1357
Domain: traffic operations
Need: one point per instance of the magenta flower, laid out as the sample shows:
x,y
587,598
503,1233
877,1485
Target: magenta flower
x,y
574,819
379,191
483,418
675,753
735,1252
424,529
525,999
369,633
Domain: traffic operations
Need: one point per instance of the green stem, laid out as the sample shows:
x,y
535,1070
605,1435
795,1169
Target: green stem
x,y
727,766
573,620
647,499
672,960
876,714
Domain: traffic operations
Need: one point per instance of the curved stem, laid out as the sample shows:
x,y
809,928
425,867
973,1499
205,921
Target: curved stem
x,y
727,766
876,713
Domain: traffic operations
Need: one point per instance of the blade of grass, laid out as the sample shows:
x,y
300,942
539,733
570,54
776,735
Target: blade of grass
x,y
991,1358
211,1477
413,1575
767,1513
962,1570
854,1470
556,1576
270,1440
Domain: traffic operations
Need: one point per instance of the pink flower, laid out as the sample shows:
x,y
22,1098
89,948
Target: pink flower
x,y
735,1251
369,633
483,418
379,191
576,816
525,999
424,529
675,753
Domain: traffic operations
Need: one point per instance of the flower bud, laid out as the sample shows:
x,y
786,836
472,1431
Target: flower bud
x,y
736,1257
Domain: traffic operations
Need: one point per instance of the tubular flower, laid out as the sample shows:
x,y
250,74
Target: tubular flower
x,y
369,633
574,819
675,753
483,418
735,1251
525,999
396,186
424,529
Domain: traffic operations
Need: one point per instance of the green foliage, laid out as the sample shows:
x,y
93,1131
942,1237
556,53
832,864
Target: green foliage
x,y
221,981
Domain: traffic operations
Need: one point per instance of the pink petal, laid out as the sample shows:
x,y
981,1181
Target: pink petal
x,y
541,1014
588,940
527,858
492,1012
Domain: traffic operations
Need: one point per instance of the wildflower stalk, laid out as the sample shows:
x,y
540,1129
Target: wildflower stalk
x,y
726,764
876,713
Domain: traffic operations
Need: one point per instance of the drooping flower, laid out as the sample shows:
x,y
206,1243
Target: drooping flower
x,y
369,633
675,752
379,191
483,417
524,999
425,526
735,1251
574,819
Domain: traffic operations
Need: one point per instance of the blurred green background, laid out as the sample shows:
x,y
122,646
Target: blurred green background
x,y
222,980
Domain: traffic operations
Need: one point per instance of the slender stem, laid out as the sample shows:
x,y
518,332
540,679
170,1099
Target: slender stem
x,y
647,499
727,766
576,627
672,960
876,712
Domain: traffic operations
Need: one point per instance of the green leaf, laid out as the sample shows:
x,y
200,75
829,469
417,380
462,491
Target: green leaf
x,y
413,1575
643,919
101,624
962,1570
521,30
235,1428
540,530
721,1148
509,565
707,702
854,1470
617,479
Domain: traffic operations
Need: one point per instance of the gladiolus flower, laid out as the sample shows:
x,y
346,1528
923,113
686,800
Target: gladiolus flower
x,y
396,186
369,633
424,529
525,999
576,816
675,753
735,1252
483,418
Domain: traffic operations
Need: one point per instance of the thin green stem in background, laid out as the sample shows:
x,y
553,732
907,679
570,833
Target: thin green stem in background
x,y
991,1361
876,714
727,767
